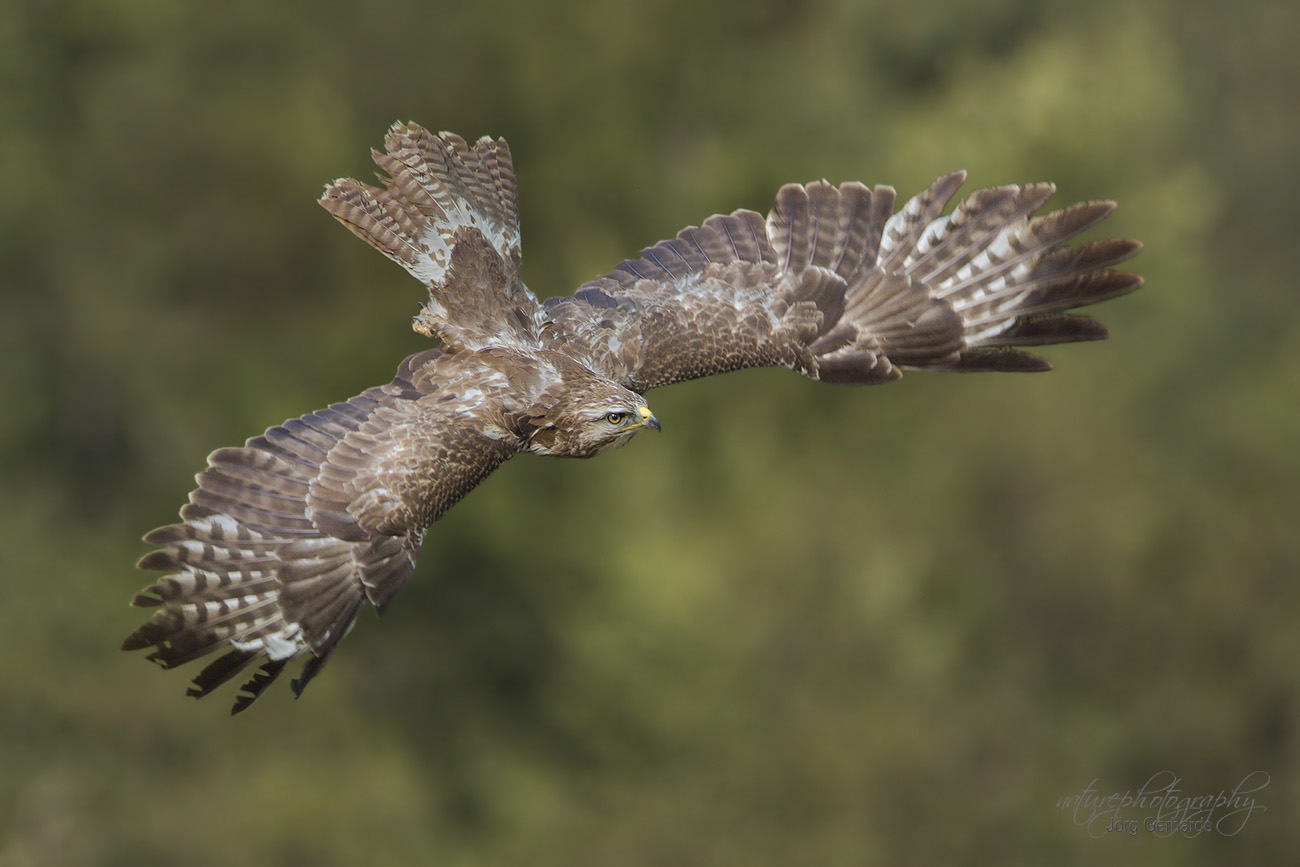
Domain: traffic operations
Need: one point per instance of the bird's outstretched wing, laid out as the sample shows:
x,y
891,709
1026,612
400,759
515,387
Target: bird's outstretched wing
x,y
447,213
836,285
286,537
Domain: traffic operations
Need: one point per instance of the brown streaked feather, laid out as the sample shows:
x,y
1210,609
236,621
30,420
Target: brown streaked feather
x,y
287,537
913,289
265,675
1041,330
903,231
971,228
219,671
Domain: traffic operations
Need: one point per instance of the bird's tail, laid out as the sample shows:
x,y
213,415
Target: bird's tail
x,y
447,213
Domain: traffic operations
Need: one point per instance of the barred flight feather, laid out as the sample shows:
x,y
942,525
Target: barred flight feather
x,y
286,538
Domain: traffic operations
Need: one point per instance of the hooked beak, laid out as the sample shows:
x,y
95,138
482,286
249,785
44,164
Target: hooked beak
x,y
648,419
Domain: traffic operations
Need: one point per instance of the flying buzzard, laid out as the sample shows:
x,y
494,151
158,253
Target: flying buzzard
x,y
287,537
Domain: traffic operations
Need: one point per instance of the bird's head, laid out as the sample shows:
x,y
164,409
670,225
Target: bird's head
x,y
588,419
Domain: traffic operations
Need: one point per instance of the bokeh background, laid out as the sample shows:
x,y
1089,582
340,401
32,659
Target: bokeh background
x,y
806,625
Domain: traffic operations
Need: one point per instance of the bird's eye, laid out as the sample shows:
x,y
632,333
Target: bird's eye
x,y
615,417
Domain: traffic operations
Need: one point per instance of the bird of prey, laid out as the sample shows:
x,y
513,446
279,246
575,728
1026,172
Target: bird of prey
x,y
287,537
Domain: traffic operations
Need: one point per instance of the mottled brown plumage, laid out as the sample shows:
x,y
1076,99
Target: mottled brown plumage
x,y
287,537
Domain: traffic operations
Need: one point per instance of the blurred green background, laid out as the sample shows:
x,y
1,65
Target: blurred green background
x,y
806,625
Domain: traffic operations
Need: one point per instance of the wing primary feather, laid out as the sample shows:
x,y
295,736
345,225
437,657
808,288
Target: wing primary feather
x,y
276,554
261,679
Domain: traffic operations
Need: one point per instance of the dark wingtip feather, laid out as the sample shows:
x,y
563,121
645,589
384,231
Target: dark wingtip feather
x,y
1059,328
139,600
161,560
312,667
257,684
1105,285
141,638
299,683
161,535
953,179
220,670
1001,360
1116,250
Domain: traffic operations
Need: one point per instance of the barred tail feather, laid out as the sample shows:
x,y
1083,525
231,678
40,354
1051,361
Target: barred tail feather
x,y
447,213
435,186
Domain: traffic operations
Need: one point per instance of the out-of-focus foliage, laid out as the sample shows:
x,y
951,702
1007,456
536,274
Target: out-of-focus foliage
x,y
806,625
